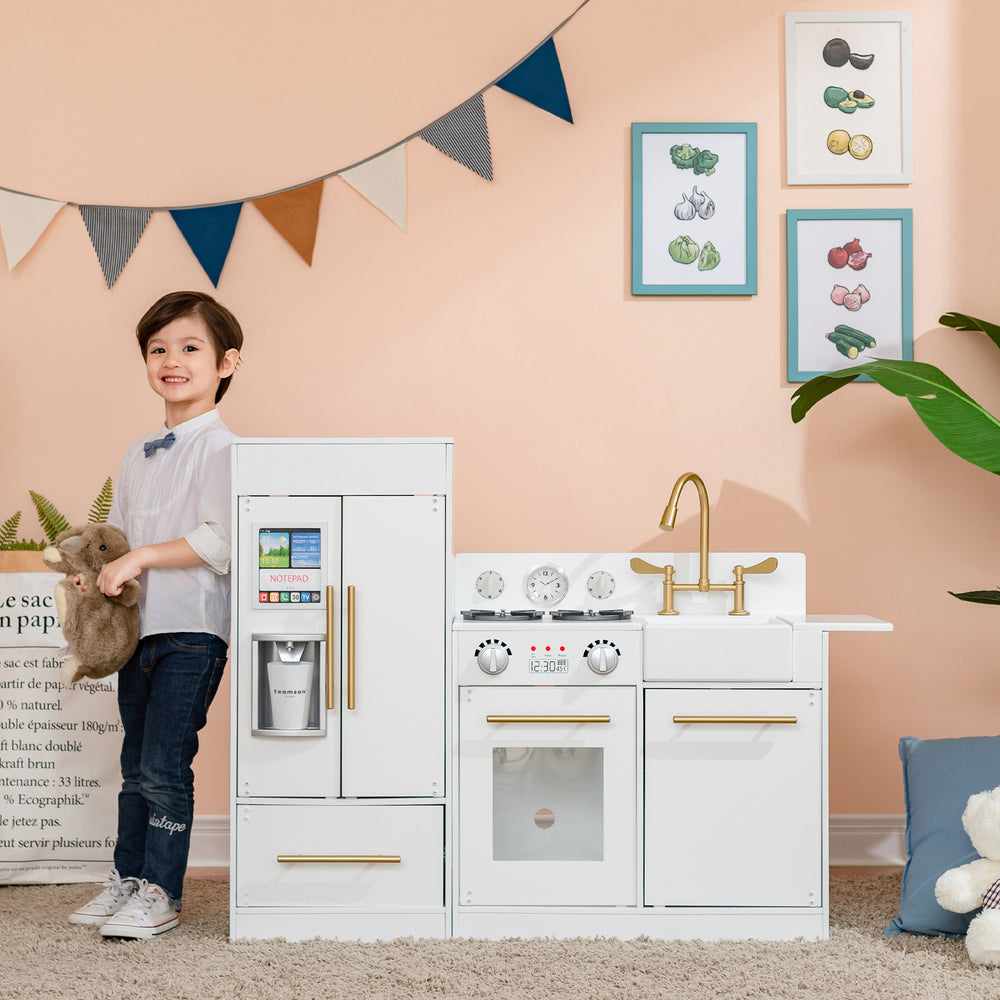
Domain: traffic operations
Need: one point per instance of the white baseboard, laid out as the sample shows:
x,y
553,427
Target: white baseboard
x,y
209,842
856,841
861,841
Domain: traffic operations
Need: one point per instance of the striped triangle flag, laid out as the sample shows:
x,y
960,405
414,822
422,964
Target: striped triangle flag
x,y
464,136
209,233
539,80
115,233
23,218
382,181
295,214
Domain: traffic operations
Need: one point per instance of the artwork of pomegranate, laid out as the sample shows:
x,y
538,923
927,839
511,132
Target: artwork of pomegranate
x,y
850,254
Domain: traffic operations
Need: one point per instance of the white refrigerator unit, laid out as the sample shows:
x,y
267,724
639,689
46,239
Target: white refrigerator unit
x,y
340,659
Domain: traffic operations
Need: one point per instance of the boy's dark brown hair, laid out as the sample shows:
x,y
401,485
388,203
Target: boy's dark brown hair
x,y
223,327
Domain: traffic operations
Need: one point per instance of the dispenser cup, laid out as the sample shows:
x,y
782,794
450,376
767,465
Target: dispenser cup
x,y
290,684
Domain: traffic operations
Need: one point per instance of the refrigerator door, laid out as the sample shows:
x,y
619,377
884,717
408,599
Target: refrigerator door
x,y
393,646
272,762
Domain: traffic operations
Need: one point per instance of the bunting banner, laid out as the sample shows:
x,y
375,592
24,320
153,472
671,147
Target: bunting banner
x,y
382,182
295,214
115,233
209,233
23,219
462,134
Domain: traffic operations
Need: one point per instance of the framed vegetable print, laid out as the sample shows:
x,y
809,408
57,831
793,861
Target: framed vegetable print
x,y
694,208
848,93
850,288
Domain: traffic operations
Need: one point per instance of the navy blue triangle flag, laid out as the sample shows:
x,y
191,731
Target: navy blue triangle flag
x,y
209,233
115,233
464,136
539,80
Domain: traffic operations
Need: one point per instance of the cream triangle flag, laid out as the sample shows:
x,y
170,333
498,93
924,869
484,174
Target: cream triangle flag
x,y
382,181
23,218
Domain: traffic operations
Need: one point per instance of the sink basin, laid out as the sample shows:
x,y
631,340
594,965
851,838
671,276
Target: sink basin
x,y
716,648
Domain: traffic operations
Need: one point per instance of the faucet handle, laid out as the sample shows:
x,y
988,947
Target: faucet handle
x,y
768,565
641,566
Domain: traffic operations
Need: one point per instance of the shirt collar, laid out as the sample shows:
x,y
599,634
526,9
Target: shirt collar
x,y
189,426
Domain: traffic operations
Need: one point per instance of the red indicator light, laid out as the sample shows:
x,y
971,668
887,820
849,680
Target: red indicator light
x,y
562,649
548,649
533,648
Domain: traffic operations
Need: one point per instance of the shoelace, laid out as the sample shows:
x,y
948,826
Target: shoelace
x,y
113,887
143,899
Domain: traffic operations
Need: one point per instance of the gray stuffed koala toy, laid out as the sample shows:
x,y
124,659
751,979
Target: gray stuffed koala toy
x,y
101,632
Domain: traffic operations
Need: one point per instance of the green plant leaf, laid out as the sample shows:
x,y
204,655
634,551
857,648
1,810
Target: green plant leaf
x,y
978,596
101,506
49,518
8,530
949,413
960,321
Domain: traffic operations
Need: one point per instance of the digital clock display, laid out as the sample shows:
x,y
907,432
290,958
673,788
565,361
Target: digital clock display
x,y
548,665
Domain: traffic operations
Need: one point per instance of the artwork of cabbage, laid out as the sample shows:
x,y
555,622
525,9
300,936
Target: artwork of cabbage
x,y
709,257
684,250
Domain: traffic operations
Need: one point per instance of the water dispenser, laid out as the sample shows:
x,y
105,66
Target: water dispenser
x,y
289,686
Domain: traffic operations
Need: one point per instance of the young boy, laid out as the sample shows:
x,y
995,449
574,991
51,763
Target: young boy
x,y
172,501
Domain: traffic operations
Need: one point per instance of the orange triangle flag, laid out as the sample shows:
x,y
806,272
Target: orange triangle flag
x,y
295,214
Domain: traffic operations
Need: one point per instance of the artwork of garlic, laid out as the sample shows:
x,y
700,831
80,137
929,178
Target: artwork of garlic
x,y
704,204
684,210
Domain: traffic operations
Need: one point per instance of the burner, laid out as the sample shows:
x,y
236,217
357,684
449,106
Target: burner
x,y
616,614
477,615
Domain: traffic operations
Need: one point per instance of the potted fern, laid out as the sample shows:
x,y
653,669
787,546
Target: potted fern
x,y
961,424
24,555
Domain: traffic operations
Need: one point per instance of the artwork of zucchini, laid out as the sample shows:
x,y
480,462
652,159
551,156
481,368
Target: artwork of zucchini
x,y
839,142
847,101
850,254
848,341
850,300
698,204
688,157
838,53
684,250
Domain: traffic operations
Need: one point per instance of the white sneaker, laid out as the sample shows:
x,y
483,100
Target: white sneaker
x,y
149,912
117,892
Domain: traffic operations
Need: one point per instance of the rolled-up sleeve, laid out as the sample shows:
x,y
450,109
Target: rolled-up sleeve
x,y
211,539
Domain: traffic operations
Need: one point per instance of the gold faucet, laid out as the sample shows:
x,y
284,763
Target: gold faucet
x,y
703,585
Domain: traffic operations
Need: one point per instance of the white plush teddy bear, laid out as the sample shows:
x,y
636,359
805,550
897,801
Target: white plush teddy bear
x,y
976,884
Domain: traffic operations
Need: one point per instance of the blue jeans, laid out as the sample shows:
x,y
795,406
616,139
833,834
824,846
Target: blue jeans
x,y
163,696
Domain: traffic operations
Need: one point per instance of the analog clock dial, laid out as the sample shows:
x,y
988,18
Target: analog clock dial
x,y
546,585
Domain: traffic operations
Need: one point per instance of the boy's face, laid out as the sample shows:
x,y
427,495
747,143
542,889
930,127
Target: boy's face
x,y
183,368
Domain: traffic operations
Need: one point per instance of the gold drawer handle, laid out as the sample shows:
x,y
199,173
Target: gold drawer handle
x,y
759,720
339,859
548,718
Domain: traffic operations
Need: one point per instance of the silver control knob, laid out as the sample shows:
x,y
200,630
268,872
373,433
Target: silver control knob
x,y
493,656
602,656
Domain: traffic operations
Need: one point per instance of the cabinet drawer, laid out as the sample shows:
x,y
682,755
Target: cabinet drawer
x,y
336,855
734,798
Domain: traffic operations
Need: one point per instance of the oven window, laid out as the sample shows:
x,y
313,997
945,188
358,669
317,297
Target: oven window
x,y
548,803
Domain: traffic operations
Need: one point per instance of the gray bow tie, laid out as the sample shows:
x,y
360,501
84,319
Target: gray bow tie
x,y
164,442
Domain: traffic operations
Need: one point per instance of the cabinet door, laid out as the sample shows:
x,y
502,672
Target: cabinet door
x,y
734,805
394,559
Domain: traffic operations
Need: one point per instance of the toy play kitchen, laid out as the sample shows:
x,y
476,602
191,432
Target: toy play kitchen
x,y
612,721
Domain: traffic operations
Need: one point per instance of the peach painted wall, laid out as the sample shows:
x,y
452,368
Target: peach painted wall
x,y
503,318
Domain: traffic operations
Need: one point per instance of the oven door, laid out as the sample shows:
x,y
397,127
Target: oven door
x,y
547,796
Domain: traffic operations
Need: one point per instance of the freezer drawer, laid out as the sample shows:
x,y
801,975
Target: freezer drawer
x,y
734,778
340,855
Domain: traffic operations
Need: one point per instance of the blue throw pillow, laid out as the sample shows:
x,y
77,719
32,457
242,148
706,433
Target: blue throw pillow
x,y
938,778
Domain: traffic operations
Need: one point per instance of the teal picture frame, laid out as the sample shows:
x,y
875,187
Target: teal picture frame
x,y
694,184
828,251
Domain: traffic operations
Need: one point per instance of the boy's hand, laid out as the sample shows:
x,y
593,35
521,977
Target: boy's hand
x,y
114,575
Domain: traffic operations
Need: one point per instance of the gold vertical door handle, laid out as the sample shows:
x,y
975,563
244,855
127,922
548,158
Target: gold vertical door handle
x,y
350,648
330,610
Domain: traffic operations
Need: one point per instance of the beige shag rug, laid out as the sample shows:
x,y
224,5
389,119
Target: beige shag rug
x,y
42,956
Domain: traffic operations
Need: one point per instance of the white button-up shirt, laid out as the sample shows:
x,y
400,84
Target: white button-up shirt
x,y
181,492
